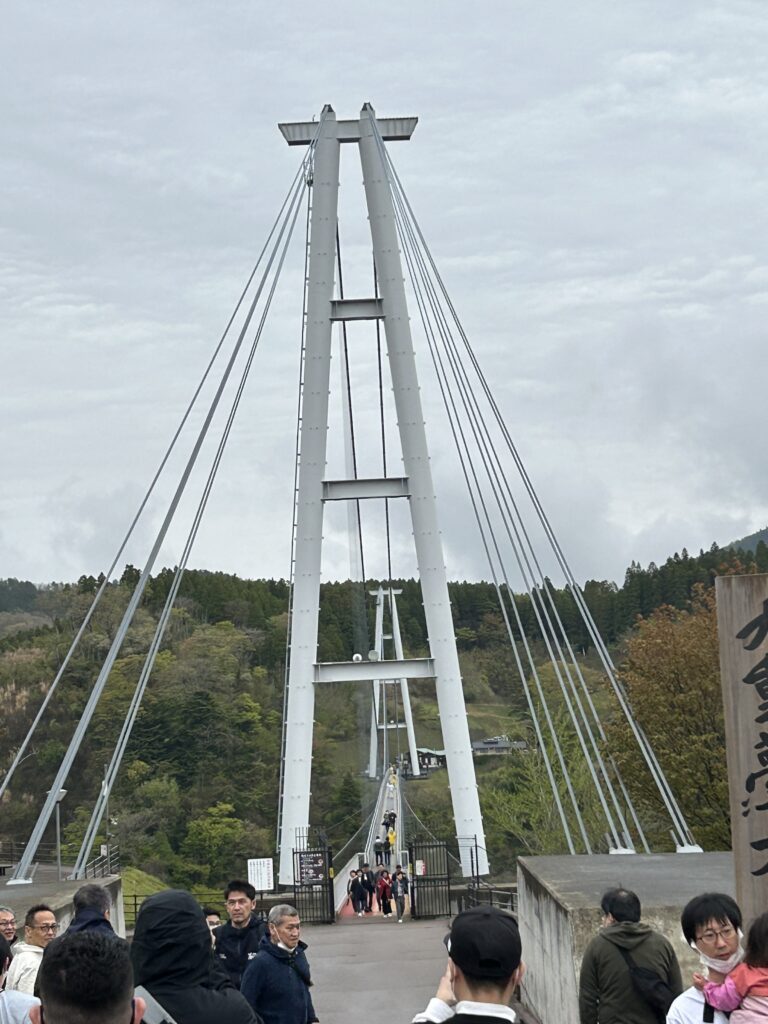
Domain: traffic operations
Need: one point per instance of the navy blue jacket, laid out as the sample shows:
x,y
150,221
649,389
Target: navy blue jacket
x,y
235,947
91,920
276,984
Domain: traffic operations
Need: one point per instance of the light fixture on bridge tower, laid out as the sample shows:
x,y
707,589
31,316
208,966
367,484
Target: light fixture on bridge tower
x,y
322,310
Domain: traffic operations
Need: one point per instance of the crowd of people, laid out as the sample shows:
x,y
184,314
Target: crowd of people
x,y
187,966
630,973
183,966
365,884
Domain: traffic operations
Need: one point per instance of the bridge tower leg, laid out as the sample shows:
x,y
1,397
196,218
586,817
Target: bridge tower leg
x,y
426,532
300,705
391,308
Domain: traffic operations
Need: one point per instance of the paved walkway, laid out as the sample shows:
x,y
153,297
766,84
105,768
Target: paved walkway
x,y
374,969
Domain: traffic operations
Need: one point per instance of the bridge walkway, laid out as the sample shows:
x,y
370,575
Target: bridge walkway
x,y
373,969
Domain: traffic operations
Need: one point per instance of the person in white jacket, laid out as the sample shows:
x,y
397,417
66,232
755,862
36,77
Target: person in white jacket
x,y
40,928
14,1006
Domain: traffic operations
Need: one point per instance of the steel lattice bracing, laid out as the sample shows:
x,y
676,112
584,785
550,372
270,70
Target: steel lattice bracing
x,y
322,311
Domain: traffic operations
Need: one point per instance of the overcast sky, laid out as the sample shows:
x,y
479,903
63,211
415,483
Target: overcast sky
x,y
591,180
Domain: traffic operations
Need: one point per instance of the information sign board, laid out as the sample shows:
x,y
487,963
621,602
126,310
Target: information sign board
x,y
260,874
312,869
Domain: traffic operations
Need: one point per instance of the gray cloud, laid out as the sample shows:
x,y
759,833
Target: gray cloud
x,y
591,181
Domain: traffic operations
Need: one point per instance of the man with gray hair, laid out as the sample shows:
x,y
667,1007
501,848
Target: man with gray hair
x,y
92,905
277,981
8,924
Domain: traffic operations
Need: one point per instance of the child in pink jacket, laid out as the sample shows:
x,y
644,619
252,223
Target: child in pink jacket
x,y
745,989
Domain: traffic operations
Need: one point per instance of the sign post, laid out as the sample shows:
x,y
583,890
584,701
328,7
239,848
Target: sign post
x,y
742,621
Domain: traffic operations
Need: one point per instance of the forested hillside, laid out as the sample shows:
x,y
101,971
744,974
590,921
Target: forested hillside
x,y
753,542
198,789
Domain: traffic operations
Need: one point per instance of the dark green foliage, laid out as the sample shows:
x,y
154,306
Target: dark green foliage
x,y
752,543
197,793
17,595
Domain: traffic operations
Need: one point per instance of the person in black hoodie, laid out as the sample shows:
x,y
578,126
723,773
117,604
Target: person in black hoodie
x,y
237,941
172,959
91,903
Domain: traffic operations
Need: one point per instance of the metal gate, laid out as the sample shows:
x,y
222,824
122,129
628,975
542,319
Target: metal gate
x,y
313,885
430,879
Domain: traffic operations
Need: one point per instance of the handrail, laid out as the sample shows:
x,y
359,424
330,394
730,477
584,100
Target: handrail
x,y
480,893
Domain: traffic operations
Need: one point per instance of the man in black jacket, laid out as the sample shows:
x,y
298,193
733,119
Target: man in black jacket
x,y
238,940
92,905
483,971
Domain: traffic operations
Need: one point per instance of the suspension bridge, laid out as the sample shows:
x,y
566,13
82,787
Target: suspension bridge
x,y
514,531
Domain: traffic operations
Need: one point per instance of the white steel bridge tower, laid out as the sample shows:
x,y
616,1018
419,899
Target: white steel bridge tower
x,y
322,311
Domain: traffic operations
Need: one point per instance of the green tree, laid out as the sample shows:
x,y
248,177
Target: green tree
x,y
671,673
215,841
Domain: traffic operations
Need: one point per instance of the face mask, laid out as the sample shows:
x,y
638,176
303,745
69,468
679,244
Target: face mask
x,y
721,966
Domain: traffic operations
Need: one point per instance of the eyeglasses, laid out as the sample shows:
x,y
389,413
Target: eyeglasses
x,y
710,937
45,928
9,922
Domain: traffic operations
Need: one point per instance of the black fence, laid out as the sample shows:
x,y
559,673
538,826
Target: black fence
x,y
430,879
313,885
213,898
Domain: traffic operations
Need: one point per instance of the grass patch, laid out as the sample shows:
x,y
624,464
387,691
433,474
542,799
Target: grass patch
x,y
136,886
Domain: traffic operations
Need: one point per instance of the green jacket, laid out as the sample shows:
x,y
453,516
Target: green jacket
x,y
606,992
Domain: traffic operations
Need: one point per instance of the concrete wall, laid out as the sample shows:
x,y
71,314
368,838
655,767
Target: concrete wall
x,y
549,986
559,913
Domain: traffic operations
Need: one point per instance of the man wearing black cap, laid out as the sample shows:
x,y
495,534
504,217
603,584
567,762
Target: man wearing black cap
x,y
483,971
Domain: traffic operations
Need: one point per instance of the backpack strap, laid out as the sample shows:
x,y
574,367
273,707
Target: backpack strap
x,y
625,954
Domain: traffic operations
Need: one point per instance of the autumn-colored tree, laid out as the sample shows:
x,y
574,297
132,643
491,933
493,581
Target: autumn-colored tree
x,y
672,677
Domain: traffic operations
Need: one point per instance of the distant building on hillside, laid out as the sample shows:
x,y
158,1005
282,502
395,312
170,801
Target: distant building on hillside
x,y
429,759
497,745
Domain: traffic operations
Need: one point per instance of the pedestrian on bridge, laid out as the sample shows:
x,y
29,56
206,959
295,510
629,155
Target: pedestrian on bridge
x,y
356,892
369,884
384,886
277,982
380,870
484,969
399,892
